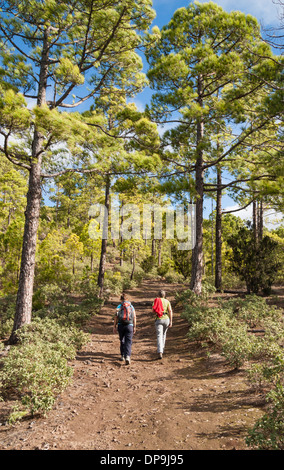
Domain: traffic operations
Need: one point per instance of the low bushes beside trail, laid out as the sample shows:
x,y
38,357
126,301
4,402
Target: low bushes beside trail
x,y
229,327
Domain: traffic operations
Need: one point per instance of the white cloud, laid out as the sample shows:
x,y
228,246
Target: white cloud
x,y
271,218
31,103
245,214
173,3
138,103
264,10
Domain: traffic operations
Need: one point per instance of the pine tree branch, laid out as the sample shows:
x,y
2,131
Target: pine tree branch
x,y
74,105
14,44
240,209
84,69
233,183
69,170
13,159
239,142
90,170
67,93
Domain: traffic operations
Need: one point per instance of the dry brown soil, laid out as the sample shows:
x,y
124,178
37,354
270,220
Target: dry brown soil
x,y
186,401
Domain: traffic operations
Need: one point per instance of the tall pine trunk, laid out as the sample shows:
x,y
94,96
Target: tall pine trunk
x,y
212,238
160,253
255,221
23,314
121,240
197,255
260,220
26,279
102,267
133,265
218,241
153,247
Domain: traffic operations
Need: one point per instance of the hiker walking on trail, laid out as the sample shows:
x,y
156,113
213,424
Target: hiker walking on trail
x,y
164,318
125,323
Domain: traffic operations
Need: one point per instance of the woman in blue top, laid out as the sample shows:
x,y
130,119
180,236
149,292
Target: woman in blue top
x,y
125,323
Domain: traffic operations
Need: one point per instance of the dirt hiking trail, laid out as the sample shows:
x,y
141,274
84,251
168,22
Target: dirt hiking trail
x,y
186,401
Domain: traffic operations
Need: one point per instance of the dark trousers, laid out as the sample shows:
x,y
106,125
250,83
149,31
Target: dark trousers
x,y
125,335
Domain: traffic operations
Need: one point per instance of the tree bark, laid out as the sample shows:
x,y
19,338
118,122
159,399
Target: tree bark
x,y
26,279
218,232
212,238
102,267
153,247
23,314
260,220
133,265
121,239
254,221
160,253
197,258
197,255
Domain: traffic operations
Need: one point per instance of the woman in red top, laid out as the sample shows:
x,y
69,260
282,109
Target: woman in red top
x,y
164,319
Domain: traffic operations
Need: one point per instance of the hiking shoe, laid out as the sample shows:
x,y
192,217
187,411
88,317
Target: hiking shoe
x,y
127,360
160,356
122,358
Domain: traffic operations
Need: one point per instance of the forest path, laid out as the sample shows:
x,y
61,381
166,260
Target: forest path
x,y
186,401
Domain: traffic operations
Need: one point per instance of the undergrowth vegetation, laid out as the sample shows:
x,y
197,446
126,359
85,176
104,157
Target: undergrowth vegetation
x,y
37,369
248,333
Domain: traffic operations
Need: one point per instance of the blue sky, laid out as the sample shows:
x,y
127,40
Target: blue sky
x,y
267,13
264,10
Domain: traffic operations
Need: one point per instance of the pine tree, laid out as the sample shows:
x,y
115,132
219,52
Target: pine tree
x,y
204,66
58,54
128,150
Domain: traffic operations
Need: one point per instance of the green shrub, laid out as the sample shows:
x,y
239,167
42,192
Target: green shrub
x,y
53,333
216,327
182,261
228,328
270,370
211,327
148,263
252,309
256,263
88,285
227,325
7,313
36,370
238,347
268,432
67,311
46,294
164,268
